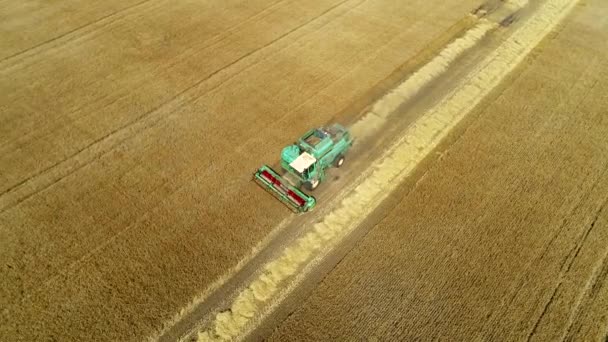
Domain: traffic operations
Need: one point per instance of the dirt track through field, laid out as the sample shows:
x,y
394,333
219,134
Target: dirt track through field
x,y
505,236
128,138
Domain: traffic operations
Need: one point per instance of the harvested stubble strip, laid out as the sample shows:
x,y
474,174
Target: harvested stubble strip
x,y
377,115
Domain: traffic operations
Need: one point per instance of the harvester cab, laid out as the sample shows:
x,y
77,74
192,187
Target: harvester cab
x,y
303,165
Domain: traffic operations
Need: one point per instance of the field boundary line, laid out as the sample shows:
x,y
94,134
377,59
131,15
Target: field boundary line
x,y
93,27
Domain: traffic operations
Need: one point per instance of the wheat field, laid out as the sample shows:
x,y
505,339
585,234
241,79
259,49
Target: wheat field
x,y
129,131
505,236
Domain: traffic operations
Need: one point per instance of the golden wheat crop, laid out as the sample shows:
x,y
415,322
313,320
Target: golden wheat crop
x,y
129,131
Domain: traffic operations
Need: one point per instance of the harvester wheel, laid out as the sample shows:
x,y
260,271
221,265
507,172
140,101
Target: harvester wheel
x,y
339,161
313,184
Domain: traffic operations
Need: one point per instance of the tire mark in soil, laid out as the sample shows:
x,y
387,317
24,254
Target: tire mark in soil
x,y
210,42
568,262
70,35
591,286
38,182
74,265
522,280
320,90
74,35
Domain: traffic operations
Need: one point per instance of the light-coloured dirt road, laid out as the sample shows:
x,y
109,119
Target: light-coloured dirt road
x,y
129,131
505,236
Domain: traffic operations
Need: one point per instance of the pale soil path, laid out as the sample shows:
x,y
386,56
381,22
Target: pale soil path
x,y
505,236
129,132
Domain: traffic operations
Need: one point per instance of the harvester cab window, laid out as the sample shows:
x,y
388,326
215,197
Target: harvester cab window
x,y
309,170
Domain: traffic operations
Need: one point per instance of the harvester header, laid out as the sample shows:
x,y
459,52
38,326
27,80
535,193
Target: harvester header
x,y
304,164
276,185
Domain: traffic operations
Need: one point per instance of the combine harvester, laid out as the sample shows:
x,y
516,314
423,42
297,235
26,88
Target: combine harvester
x,y
304,164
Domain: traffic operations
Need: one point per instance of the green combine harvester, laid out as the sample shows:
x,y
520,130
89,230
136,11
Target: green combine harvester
x,y
304,164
